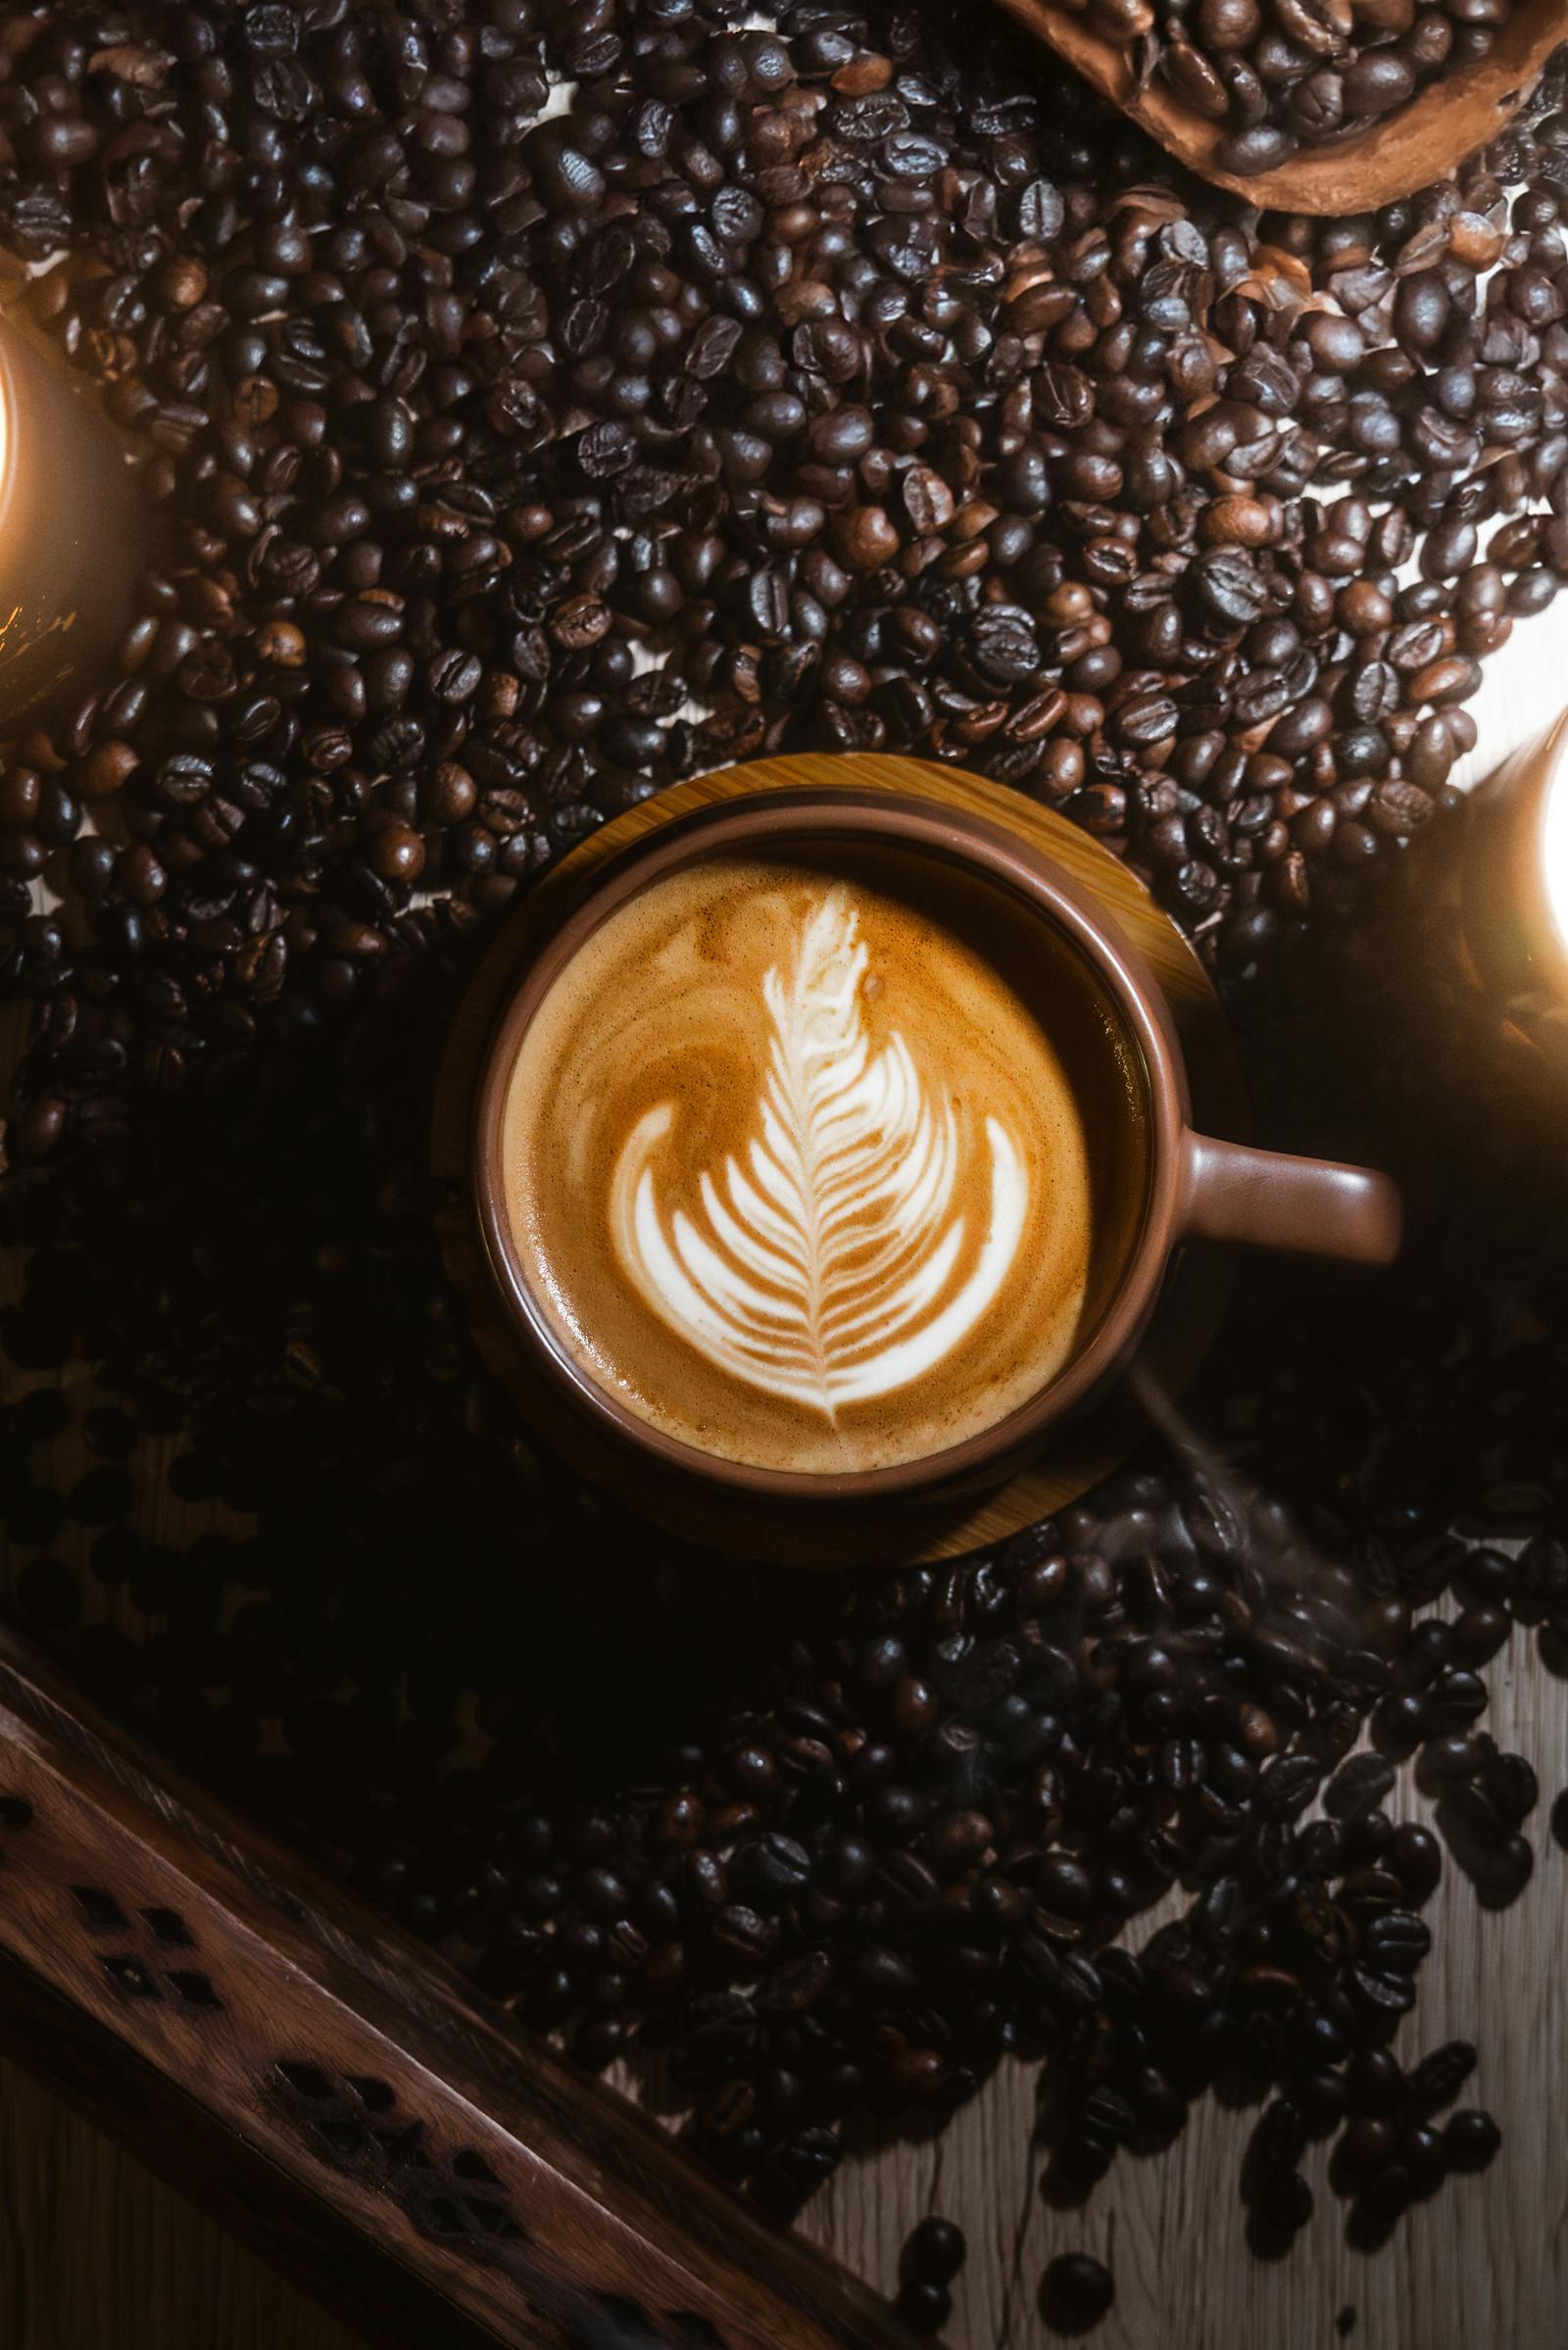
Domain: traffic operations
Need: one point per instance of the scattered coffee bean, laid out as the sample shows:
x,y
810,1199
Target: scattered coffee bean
x,y
1472,2139
1439,2077
1286,2202
1508,1783
925,2308
1423,2153
935,2252
1374,2081
1077,2286
1385,2194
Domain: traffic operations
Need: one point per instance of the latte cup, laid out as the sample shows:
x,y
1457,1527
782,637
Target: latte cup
x,y
1158,1183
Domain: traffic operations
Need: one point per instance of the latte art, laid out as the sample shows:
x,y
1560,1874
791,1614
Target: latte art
x,y
825,1267
793,1162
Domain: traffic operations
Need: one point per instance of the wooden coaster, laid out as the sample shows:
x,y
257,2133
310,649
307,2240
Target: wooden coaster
x,y
1195,1294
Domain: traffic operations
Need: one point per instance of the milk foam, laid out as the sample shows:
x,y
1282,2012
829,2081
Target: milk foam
x,y
823,1264
793,1165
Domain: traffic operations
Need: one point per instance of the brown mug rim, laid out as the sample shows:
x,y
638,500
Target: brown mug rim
x,y
1116,969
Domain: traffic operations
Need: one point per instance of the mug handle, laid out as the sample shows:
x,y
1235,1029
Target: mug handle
x,y
1269,1200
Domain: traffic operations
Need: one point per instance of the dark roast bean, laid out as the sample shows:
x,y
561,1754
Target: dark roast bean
x,y
934,2253
1077,2286
1472,2141
1439,2077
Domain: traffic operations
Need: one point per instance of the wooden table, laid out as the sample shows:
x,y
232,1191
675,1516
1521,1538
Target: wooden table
x,y
96,2255
92,2253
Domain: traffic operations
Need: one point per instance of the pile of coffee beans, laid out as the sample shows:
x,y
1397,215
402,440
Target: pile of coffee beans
x,y
1282,75
840,386
792,391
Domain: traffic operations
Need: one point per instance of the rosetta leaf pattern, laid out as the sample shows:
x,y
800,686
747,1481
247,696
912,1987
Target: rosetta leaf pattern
x,y
826,1262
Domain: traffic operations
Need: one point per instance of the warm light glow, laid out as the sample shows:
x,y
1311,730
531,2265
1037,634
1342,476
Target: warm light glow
x,y
1554,843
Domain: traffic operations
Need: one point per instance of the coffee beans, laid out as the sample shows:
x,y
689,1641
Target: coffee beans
x,y
1288,74
784,632
1439,2077
935,2252
1472,2141
927,2267
1077,2286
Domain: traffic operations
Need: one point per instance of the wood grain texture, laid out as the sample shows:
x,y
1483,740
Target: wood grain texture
x,y
98,2076
1190,1312
1448,121
95,2251
536,2209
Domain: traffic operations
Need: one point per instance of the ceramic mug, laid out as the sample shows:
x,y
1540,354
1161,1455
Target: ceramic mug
x,y
1166,1185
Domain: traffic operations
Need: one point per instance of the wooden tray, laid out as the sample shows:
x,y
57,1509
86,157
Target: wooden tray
x,y
1194,1295
329,2091
1383,162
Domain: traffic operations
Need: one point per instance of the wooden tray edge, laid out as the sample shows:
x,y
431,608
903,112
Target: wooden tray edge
x,y
210,1990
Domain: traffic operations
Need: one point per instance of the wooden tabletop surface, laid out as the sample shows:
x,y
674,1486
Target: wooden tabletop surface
x,y
96,2254
93,2253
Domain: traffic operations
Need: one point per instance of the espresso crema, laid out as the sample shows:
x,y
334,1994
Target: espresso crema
x,y
793,1163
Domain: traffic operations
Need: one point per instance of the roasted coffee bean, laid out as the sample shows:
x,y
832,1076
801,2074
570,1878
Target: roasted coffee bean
x,y
1401,1719
1472,2139
1385,2194
1540,1579
924,2306
1284,2202
1479,1632
1395,1941
1423,2153
1260,147
771,1870
934,2253
1366,2144
1457,1696
1374,2080
1416,1858
1457,1755
1357,1785
1439,2076
1365,1843
1324,2101
1077,2286
1280,2139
